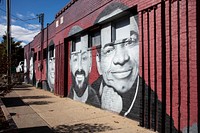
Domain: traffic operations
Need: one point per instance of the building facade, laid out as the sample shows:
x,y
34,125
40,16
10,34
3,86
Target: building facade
x,y
137,58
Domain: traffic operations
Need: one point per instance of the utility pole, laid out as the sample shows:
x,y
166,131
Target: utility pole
x,y
41,21
8,45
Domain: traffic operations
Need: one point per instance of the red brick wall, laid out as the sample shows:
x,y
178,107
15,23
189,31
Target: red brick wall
x,y
185,81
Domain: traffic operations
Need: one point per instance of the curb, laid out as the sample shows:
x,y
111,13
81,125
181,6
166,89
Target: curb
x,y
13,127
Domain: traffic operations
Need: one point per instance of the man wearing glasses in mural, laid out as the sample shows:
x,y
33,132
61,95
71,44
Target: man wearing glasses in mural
x,y
80,65
118,63
119,86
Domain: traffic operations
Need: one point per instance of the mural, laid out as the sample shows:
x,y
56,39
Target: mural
x,y
80,67
31,69
119,86
117,62
51,66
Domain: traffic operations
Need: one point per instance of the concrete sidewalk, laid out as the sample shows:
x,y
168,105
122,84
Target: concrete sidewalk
x,y
35,110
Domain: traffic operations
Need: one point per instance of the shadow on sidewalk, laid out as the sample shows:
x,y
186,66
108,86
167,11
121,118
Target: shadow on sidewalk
x,y
35,97
21,89
22,85
82,128
42,129
38,102
16,101
12,101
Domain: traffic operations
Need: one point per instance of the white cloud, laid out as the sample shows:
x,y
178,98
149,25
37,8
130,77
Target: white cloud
x,y
19,15
20,33
32,15
3,30
33,26
3,20
13,20
3,17
23,44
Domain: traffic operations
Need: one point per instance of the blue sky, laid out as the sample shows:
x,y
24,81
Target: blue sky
x,y
24,22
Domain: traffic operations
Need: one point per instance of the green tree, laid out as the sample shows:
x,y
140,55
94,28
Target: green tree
x,y
17,54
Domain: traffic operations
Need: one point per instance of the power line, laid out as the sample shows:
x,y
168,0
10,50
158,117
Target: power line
x,y
16,18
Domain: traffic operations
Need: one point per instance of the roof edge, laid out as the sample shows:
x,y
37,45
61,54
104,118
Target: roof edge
x,y
65,8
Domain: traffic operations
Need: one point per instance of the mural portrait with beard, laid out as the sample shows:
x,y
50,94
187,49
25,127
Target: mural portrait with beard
x,y
80,82
80,67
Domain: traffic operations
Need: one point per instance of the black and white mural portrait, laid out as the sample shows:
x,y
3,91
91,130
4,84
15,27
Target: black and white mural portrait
x,y
118,62
119,87
80,68
51,66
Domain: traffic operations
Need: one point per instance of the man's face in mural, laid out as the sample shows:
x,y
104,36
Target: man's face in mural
x,y
31,69
119,61
51,70
80,64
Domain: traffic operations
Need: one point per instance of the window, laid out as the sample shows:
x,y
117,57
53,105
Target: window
x,y
121,29
79,43
57,23
44,53
73,46
116,30
75,42
39,55
61,20
94,38
35,57
106,34
51,51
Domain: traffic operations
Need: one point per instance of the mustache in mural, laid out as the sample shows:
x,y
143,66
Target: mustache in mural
x,y
81,72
